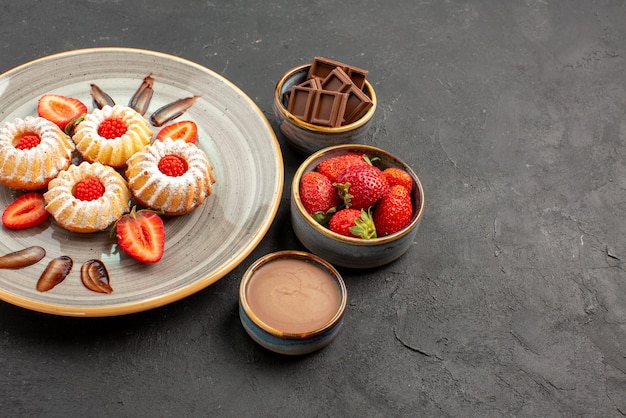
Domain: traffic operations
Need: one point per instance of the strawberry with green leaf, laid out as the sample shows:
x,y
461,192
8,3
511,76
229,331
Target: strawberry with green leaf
x,y
318,196
361,187
353,223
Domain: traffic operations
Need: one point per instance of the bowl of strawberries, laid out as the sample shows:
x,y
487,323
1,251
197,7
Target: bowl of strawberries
x,y
357,206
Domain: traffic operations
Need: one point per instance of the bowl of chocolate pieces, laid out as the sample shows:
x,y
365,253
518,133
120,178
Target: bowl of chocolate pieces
x,y
322,104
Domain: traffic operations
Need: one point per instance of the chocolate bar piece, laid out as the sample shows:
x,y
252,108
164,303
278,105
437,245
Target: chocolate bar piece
x,y
358,102
358,76
357,105
313,83
337,80
328,108
321,67
331,95
300,102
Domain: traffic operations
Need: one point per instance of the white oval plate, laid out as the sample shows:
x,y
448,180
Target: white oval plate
x,y
202,246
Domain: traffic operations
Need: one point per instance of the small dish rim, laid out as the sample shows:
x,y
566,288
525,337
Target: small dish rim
x,y
278,102
301,255
306,166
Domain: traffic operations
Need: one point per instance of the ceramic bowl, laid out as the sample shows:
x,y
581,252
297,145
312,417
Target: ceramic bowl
x,y
306,137
346,251
292,302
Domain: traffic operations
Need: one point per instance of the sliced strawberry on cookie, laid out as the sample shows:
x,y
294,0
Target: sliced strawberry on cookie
x,y
26,211
112,128
90,188
28,142
141,235
60,110
186,130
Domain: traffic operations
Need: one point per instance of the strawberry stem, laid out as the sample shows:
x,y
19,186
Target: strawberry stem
x,y
364,227
322,218
133,214
343,189
69,128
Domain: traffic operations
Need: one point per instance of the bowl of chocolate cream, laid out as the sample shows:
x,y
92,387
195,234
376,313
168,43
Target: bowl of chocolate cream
x,y
292,302
323,103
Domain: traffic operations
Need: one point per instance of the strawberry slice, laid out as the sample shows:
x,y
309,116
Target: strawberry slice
x,y
185,129
60,109
141,235
26,211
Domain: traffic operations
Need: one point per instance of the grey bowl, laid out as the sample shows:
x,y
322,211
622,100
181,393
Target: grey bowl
x,y
280,340
346,251
307,138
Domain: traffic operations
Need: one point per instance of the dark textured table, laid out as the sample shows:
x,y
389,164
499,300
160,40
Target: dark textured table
x,y
512,300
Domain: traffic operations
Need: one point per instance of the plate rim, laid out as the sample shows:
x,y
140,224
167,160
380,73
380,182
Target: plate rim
x,y
197,285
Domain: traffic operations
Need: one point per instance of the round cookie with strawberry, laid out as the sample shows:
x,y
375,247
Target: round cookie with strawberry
x,y
89,192
88,197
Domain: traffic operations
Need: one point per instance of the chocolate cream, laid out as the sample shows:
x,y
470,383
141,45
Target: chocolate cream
x,y
293,296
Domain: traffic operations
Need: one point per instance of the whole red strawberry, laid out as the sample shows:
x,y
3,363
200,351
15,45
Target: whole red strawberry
x,y
353,223
394,211
334,166
361,186
396,175
318,196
